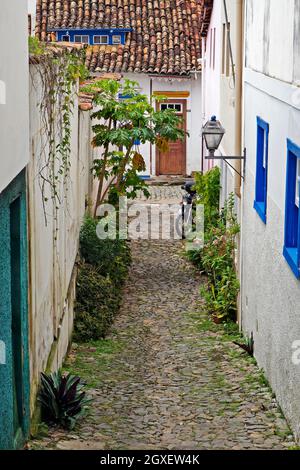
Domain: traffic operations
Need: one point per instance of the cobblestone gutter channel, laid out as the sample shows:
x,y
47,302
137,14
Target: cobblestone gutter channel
x,y
166,377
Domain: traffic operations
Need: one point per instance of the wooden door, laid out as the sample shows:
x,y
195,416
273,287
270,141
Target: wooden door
x,y
173,162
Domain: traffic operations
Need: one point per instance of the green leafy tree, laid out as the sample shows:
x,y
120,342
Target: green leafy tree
x,y
124,117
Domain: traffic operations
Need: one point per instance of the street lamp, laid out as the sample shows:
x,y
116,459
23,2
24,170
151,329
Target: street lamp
x,y
213,133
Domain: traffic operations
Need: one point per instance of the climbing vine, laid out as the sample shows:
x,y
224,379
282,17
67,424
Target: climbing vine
x,y
55,77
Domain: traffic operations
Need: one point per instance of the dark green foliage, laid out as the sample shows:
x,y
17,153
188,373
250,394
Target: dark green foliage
x,y
111,257
217,256
100,279
62,398
97,302
247,346
217,260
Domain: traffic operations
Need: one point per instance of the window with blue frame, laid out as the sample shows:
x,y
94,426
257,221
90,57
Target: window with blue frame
x,y
83,38
117,39
101,39
291,249
261,182
93,36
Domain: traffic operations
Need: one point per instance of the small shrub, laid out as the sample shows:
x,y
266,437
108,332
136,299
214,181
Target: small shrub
x,y
97,302
111,257
62,398
100,278
207,186
195,256
221,297
216,258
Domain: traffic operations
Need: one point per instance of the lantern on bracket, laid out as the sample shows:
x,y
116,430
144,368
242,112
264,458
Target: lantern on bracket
x,y
213,133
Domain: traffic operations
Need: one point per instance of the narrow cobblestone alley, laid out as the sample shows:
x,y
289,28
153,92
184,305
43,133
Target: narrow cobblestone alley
x,y
166,377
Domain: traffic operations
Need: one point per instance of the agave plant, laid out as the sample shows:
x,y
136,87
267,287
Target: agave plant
x,y
62,398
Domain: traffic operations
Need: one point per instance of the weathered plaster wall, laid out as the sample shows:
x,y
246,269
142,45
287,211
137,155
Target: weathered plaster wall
x,y
230,99
270,293
14,113
221,97
32,12
230,93
194,105
297,42
52,262
211,79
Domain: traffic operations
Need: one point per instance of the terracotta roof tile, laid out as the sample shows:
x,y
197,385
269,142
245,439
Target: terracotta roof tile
x,y
56,49
86,99
165,36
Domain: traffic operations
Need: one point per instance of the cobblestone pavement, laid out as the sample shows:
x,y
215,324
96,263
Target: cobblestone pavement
x,y
162,193
166,377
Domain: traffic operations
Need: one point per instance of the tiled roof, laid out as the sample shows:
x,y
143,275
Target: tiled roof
x,y
165,36
56,49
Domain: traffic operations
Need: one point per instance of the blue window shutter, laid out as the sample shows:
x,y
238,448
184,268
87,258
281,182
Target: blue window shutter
x,y
291,250
261,182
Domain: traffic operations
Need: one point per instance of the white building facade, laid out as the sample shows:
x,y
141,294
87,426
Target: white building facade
x,y
270,269
14,156
14,83
185,93
222,65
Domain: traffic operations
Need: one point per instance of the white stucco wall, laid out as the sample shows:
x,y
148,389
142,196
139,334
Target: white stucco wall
x,y
211,79
32,12
270,293
52,262
270,37
220,96
14,110
31,6
194,106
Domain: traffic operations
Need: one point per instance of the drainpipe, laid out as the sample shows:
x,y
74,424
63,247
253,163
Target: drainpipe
x,y
151,102
203,88
239,139
238,92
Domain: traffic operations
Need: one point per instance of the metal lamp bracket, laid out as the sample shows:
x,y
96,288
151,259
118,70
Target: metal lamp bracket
x,y
225,159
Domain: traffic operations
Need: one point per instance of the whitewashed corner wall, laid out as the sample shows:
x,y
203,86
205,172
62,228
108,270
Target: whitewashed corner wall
x,y
53,262
270,293
220,97
194,109
14,148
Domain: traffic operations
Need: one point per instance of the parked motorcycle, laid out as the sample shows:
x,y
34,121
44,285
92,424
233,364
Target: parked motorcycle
x,y
188,203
